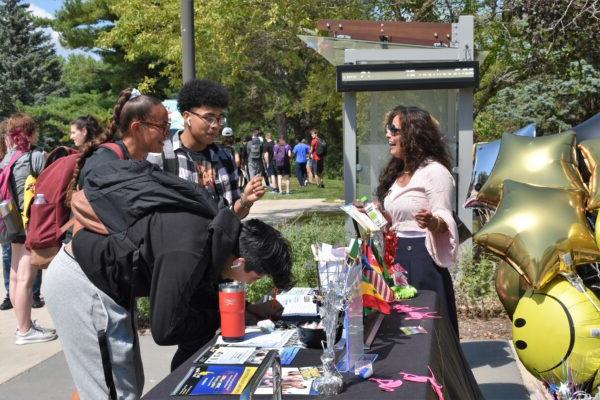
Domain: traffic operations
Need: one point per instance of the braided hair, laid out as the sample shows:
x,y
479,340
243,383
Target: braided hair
x,y
125,111
421,140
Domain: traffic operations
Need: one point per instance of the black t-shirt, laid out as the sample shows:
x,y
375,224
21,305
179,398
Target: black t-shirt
x,y
198,156
268,148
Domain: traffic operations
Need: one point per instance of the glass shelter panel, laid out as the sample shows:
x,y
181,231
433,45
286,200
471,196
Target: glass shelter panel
x,y
372,147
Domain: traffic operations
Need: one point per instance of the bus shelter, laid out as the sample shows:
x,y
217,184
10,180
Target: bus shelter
x,y
384,64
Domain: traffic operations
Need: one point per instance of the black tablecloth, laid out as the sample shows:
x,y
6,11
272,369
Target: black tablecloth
x,y
439,349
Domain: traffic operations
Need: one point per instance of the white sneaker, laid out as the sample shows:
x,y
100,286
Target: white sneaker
x,y
41,328
34,336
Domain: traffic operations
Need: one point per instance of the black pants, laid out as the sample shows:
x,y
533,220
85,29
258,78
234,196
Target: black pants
x,y
301,173
424,274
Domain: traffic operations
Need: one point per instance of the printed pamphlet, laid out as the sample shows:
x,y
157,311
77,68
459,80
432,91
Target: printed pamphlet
x,y
215,380
297,381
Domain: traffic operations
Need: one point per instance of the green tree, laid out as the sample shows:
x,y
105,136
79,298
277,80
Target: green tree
x,y
30,70
542,66
81,24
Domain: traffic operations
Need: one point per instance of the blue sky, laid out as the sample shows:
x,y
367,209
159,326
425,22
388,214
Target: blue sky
x,y
46,9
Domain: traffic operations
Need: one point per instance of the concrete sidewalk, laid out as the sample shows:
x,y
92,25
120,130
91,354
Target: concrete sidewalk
x,y
272,211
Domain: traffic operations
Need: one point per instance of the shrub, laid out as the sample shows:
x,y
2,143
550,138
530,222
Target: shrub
x,y
301,233
474,285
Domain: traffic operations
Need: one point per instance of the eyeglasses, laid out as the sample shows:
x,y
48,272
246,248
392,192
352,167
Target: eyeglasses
x,y
162,128
210,119
393,130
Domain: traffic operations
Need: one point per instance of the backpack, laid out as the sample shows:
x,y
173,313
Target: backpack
x,y
280,155
254,149
11,224
46,219
321,147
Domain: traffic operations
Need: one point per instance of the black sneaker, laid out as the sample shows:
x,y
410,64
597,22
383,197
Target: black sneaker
x,y
6,304
38,302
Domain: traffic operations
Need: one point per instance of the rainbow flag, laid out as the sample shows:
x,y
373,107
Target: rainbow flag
x,y
375,291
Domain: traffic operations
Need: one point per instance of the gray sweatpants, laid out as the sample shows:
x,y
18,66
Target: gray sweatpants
x,y
80,312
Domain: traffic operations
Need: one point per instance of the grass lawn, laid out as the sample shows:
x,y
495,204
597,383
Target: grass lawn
x,y
333,190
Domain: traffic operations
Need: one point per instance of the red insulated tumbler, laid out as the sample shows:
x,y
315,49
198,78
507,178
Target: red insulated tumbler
x,y
232,307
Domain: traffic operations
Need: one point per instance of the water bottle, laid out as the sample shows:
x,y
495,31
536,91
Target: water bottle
x,y
232,307
40,199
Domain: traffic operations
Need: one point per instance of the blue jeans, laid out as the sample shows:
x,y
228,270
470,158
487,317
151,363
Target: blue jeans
x,y
6,255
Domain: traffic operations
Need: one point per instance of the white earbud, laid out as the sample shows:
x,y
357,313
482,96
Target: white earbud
x,y
189,122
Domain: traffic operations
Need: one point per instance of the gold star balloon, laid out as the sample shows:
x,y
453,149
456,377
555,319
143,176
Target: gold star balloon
x,y
510,286
533,226
548,161
590,150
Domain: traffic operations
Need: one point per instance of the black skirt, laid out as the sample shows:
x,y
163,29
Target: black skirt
x,y
424,274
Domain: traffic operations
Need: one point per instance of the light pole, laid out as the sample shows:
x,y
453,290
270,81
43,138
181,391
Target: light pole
x,y
187,40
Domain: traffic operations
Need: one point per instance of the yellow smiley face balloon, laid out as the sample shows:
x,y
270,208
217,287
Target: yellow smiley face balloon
x,y
534,225
547,161
510,286
556,333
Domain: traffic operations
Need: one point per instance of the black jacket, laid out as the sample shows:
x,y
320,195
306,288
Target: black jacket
x,y
174,254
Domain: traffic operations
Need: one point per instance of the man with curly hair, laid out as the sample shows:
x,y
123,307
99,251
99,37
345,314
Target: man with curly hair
x,y
192,154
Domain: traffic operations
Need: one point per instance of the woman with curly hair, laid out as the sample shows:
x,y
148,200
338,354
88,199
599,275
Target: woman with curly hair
x,y
416,189
21,136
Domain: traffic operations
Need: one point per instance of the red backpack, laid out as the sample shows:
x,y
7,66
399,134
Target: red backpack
x,y
46,218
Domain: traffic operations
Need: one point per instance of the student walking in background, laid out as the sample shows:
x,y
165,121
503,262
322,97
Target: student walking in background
x,y
282,153
317,155
254,149
22,134
270,171
300,151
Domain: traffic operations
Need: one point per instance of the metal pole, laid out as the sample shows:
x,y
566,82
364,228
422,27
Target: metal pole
x,y
187,40
349,115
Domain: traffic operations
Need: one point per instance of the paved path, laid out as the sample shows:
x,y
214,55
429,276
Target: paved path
x,y
280,210
39,371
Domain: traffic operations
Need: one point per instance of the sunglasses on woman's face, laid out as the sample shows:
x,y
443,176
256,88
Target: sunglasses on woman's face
x,y
393,130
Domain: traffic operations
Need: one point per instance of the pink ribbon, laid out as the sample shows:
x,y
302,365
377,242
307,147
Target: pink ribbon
x,y
437,388
387,385
413,313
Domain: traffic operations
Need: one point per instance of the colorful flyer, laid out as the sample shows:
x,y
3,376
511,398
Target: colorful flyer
x,y
294,381
286,355
224,355
215,379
